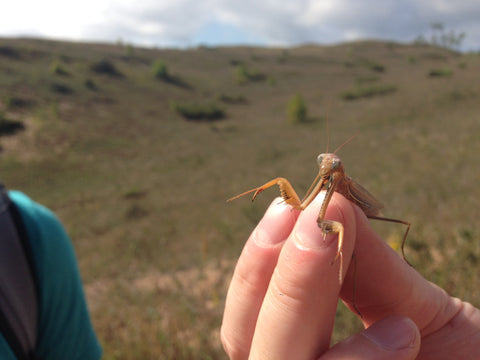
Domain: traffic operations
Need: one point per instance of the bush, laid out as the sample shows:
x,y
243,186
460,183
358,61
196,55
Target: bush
x,y
297,110
9,52
90,84
367,91
446,72
160,70
14,102
9,127
57,69
198,112
232,99
105,67
61,89
243,74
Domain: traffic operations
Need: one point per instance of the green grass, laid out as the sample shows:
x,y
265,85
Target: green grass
x,y
142,192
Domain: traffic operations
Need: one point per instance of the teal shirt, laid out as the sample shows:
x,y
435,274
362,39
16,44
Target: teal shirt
x,y
65,330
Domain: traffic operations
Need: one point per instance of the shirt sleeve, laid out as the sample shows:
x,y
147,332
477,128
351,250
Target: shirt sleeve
x,y
65,329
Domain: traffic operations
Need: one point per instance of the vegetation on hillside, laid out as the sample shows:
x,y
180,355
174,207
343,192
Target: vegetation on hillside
x,y
297,109
104,142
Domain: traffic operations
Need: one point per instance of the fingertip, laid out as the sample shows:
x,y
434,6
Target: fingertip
x,y
276,225
394,333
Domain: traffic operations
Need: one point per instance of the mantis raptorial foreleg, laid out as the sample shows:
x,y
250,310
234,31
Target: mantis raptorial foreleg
x,y
290,197
287,192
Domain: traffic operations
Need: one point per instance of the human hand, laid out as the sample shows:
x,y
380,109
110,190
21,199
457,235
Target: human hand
x,y
282,299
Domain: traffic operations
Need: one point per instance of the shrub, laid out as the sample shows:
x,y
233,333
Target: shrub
x,y
243,74
14,102
90,84
57,69
105,67
374,66
198,112
9,52
61,89
445,72
236,62
297,110
160,70
232,99
367,79
367,91
271,81
9,127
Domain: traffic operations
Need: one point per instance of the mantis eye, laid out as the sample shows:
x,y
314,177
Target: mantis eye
x,y
320,159
336,164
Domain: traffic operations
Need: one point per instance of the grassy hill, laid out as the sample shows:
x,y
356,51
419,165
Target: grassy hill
x,y
137,150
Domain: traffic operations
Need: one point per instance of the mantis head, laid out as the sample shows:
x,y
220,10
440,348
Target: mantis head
x,y
329,164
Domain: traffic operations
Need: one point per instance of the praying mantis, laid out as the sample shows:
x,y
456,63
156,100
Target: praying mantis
x,y
331,177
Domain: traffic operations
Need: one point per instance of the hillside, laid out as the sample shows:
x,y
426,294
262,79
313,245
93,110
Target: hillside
x,y
95,132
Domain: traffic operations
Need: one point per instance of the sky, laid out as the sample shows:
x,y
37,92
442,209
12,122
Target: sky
x,y
273,23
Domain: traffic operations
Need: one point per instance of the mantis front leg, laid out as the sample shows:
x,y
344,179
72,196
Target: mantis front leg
x,y
287,192
290,197
330,226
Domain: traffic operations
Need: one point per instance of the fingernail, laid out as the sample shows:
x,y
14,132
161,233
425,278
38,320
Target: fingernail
x,y
393,333
275,226
313,238
309,233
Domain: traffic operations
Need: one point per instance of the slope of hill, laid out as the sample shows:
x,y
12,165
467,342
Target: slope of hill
x,y
96,133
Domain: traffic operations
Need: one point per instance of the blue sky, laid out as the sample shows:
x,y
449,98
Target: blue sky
x,y
186,23
215,34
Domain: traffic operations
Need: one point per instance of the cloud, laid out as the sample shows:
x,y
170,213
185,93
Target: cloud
x,y
267,22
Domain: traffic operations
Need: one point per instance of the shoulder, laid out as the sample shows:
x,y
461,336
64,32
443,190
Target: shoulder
x,y
38,220
68,327
49,242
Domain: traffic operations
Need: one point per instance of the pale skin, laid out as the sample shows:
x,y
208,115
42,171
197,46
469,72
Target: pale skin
x,y
283,295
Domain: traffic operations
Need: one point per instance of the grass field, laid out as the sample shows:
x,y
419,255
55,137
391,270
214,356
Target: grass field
x,y
141,188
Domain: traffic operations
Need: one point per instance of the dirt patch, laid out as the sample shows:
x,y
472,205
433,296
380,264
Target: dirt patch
x,y
197,282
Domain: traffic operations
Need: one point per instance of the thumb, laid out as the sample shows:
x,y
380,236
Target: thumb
x,y
394,337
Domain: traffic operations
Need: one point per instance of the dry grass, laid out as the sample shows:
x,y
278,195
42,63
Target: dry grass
x,y
142,191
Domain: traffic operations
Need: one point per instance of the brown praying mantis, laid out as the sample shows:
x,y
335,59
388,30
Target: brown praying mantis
x,y
331,177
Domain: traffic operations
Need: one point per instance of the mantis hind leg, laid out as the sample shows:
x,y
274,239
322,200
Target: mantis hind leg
x,y
406,223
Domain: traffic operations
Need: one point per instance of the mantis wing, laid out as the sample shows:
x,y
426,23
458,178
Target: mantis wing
x,y
360,196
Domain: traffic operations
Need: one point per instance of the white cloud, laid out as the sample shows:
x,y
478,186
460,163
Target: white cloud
x,y
51,18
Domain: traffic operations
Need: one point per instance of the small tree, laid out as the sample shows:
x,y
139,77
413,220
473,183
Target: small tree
x,y
242,74
160,70
297,110
449,40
